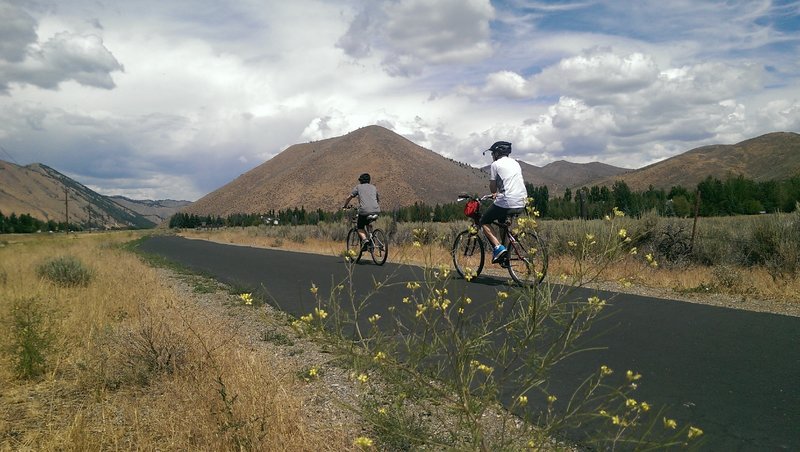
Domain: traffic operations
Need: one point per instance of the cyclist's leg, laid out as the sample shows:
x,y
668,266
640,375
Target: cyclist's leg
x,y
361,225
492,214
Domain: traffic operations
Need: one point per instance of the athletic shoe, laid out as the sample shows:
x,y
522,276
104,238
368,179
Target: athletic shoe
x,y
498,253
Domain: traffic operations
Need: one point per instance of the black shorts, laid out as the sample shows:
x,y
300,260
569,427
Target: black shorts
x,y
364,220
499,214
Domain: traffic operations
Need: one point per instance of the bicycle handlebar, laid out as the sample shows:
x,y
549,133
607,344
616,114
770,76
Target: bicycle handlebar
x,y
466,196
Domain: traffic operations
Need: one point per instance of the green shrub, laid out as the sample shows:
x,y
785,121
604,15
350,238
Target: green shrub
x,y
65,271
32,337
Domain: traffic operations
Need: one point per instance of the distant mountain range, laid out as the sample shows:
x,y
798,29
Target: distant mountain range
x,y
46,194
774,156
321,174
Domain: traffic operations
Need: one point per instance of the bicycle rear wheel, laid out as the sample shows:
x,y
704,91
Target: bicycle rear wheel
x,y
468,254
353,245
527,260
380,247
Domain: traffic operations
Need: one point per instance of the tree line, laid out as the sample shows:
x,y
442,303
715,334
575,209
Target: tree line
x,y
736,195
25,223
733,196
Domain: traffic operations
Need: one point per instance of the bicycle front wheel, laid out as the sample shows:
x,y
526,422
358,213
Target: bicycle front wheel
x,y
353,245
468,254
527,259
380,247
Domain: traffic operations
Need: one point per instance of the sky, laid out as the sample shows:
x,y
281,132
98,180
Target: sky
x,y
154,99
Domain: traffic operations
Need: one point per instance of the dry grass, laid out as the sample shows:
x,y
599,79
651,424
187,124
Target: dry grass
x,y
140,366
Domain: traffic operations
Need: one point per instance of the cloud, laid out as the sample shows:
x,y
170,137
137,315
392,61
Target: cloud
x,y
16,34
412,34
65,56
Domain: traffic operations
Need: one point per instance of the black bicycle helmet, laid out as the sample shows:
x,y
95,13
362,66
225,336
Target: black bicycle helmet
x,y
364,178
500,148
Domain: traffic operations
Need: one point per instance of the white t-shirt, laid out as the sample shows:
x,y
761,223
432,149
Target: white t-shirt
x,y
511,191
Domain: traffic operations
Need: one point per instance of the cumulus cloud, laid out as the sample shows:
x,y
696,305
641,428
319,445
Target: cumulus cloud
x,y
65,56
16,34
410,34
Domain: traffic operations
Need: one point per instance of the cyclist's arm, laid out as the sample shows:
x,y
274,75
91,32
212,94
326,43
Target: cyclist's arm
x,y
347,201
493,188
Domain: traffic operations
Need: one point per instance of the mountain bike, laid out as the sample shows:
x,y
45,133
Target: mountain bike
x,y
376,244
525,260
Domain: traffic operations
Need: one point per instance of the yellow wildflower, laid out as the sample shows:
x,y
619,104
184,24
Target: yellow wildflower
x,y
630,403
320,313
374,319
623,232
380,356
362,378
694,432
502,295
363,442
645,406
631,376
605,370
522,400
247,298
551,398
670,423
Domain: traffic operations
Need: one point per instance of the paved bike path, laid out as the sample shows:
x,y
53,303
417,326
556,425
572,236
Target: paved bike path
x,y
735,374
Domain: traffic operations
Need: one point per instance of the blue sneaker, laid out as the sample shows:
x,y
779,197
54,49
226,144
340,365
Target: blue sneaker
x,y
498,253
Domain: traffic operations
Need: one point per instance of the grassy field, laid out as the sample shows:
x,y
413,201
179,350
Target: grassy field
x,y
115,359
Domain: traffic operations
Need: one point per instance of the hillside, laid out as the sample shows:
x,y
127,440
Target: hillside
x,y
774,156
155,211
40,191
321,175
560,175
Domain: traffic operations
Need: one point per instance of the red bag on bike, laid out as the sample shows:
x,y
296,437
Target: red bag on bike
x,y
472,208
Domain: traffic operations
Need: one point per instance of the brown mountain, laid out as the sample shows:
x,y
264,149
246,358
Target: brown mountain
x,y
774,156
155,211
321,175
560,175
46,194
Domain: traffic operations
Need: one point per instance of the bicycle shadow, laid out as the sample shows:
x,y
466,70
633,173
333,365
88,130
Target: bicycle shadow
x,y
487,280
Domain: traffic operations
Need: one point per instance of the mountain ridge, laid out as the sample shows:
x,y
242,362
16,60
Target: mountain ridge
x,y
46,194
320,175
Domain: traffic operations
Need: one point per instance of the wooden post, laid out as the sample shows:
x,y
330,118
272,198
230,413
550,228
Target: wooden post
x,y
696,214
66,207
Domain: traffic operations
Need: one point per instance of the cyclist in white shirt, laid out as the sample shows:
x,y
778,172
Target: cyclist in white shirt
x,y
508,190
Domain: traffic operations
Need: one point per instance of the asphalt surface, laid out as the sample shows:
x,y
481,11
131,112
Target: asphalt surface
x,y
735,374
